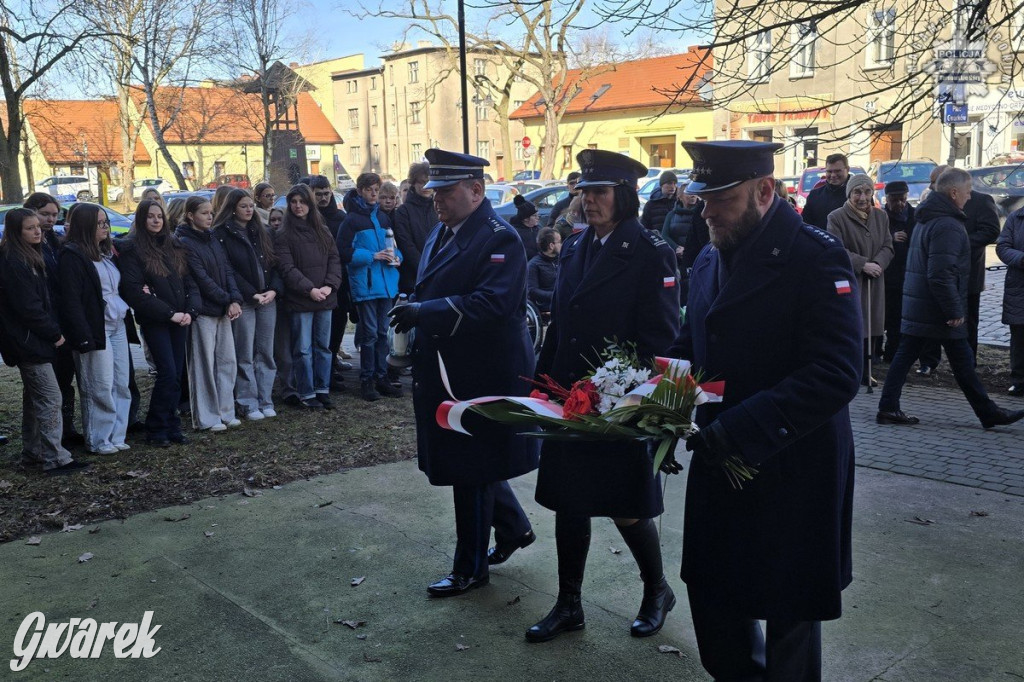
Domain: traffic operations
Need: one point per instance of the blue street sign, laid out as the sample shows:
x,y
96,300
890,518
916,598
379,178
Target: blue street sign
x,y
954,113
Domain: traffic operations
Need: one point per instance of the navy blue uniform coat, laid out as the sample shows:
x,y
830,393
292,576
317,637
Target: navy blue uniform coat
x,y
788,346
472,299
629,293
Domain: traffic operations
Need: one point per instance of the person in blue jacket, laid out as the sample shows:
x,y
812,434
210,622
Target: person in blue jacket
x,y
772,311
372,261
469,309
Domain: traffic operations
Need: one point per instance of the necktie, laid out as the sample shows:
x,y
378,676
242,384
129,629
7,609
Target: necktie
x,y
595,249
445,237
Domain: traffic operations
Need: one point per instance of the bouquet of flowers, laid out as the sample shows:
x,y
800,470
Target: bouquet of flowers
x,y
621,399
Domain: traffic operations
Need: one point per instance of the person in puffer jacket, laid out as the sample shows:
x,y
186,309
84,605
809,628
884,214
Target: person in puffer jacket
x,y
366,243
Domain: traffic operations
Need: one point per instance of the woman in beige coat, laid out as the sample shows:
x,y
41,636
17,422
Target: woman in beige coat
x,y
864,231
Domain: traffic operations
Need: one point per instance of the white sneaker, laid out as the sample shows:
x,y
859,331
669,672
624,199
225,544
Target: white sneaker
x,y
234,422
255,416
269,412
122,446
218,427
104,450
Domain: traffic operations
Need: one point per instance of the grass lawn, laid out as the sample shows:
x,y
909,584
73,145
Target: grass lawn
x,y
296,444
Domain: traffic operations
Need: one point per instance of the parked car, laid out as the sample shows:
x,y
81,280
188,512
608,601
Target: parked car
x,y
500,193
185,194
544,199
116,192
1005,184
810,178
526,175
119,224
344,183
233,179
914,173
66,187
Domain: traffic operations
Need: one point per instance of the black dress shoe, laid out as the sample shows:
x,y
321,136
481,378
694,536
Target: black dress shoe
x,y
311,403
500,553
292,401
455,584
159,442
1016,389
72,467
926,371
566,616
873,382
1002,417
178,438
658,601
896,417
325,400
3,440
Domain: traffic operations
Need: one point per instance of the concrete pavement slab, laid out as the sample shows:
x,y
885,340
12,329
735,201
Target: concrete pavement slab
x,y
936,592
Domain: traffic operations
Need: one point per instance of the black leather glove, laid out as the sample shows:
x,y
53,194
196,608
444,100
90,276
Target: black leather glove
x,y
711,444
403,316
670,465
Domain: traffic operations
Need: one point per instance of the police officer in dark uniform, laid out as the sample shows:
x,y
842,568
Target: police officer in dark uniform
x,y
771,311
469,309
616,280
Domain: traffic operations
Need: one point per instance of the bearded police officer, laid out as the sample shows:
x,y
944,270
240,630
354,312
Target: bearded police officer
x,y
469,310
772,312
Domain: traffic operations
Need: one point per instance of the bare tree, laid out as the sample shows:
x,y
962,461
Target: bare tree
x,y
891,63
534,42
34,38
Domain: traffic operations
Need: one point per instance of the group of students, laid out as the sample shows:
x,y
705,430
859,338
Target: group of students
x,y
229,295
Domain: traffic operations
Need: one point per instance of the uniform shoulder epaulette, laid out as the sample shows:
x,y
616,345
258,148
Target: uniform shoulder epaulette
x,y
819,235
496,224
572,238
653,237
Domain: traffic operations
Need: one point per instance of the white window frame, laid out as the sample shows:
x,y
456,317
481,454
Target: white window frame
x,y
480,67
483,149
520,151
414,72
353,119
804,38
373,115
481,112
759,57
881,36
414,111
356,155
417,152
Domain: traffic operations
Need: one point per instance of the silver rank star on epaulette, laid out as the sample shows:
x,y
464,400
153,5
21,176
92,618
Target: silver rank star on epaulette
x,y
820,234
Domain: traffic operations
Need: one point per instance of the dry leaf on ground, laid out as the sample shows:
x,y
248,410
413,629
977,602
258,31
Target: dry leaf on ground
x,y
980,513
180,518
351,623
34,540
356,582
461,647
667,649
85,557
919,521
613,550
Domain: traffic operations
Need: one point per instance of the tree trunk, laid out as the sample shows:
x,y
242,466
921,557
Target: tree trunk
x,y
550,144
26,158
10,143
158,134
129,136
268,142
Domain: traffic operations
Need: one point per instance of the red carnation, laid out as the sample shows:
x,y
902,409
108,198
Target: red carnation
x,y
539,395
583,399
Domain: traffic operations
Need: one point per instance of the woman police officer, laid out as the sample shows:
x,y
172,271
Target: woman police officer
x,y
616,281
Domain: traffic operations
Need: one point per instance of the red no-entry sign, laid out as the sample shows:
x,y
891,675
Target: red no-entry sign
x,y
526,143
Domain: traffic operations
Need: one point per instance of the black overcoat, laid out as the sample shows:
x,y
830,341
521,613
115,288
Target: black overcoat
x,y
472,297
81,302
629,293
784,333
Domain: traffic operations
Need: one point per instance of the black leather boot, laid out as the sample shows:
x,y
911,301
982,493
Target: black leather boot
x,y
572,540
642,540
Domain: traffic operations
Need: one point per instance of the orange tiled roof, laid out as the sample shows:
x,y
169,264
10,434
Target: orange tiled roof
x,y
220,115
632,85
61,126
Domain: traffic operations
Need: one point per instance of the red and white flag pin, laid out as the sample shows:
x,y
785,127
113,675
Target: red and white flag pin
x,y
668,282
843,286
497,258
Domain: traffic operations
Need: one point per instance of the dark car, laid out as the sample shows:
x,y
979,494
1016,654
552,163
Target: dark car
x,y
1004,183
544,199
914,173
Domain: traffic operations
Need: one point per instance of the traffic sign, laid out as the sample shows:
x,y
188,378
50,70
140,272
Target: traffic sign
x,y
527,142
954,113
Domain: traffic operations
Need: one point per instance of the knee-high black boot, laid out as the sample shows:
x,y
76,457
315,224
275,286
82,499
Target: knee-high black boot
x,y
642,539
572,540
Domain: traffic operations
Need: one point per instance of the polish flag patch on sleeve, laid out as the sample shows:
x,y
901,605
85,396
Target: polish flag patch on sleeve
x,y
497,258
843,286
668,282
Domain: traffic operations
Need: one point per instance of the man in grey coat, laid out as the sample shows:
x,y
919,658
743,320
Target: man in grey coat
x,y
935,302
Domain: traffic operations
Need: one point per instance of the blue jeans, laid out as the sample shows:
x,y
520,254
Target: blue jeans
x,y
961,361
167,346
311,357
372,338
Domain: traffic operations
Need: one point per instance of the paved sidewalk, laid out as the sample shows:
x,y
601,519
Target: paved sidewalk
x,y
991,330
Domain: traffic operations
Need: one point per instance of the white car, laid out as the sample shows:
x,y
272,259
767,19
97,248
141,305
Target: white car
x,y
116,192
66,187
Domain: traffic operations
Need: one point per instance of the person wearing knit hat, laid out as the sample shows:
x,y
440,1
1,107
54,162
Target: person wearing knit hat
x,y
526,221
660,202
864,231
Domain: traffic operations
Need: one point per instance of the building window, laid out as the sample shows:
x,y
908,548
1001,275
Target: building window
x,y
417,152
481,112
188,169
394,115
480,67
517,103
414,112
352,87
356,156
373,82
391,72
520,151
881,38
373,115
414,72
759,57
376,156
218,169
483,149
567,156
353,119
803,37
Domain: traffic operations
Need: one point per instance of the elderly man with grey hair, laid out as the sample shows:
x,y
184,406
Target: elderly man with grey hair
x,y
935,302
